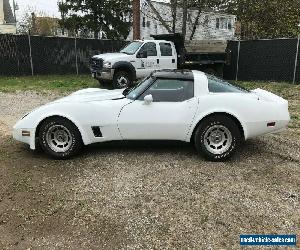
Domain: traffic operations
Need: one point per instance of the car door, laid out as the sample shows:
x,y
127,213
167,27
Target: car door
x,y
168,58
147,59
168,117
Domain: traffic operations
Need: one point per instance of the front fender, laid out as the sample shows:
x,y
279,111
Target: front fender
x,y
126,65
34,119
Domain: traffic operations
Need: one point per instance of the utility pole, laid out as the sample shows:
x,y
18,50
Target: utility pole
x,y
136,10
184,18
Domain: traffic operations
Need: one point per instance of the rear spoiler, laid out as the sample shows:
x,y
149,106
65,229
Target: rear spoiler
x,y
268,96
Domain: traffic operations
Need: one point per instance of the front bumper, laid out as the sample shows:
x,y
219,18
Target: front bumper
x,y
25,135
104,74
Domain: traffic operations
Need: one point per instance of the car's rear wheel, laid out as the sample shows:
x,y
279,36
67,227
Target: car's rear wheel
x,y
59,138
121,80
217,138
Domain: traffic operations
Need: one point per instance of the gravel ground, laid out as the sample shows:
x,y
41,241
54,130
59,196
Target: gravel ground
x,y
143,195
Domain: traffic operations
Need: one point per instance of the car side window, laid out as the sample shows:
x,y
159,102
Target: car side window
x,y
216,85
150,48
165,49
170,90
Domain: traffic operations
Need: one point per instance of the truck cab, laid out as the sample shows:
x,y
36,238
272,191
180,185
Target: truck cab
x,y
136,60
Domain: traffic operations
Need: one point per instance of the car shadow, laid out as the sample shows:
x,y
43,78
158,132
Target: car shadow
x,y
252,149
140,146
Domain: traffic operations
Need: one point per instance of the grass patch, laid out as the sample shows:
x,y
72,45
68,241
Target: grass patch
x,y
62,83
285,90
288,91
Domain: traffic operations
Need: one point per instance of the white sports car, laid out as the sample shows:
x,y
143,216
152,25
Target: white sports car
x,y
177,105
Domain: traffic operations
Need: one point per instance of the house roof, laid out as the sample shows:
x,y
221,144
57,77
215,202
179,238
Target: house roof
x,y
8,13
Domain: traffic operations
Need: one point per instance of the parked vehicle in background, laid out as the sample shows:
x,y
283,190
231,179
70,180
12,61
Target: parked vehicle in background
x,y
179,105
139,58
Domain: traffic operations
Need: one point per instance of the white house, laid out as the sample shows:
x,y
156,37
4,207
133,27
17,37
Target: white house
x,y
7,19
211,25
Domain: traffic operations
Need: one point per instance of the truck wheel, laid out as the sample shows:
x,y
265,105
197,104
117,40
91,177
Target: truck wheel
x,y
217,138
121,80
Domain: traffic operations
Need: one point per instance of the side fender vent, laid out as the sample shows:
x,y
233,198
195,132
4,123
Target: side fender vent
x,y
97,131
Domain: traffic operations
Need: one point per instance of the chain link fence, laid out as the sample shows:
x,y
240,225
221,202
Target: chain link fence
x,y
35,55
266,60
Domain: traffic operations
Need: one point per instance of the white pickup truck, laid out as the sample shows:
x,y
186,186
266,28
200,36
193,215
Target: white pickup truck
x,y
139,58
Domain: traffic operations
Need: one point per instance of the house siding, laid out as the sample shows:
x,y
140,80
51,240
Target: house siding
x,y
1,12
206,29
8,29
7,25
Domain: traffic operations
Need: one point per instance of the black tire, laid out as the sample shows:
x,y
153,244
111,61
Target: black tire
x,y
122,79
73,136
210,141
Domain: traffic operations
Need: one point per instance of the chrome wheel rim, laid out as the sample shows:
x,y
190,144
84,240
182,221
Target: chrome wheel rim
x,y
59,138
217,139
122,81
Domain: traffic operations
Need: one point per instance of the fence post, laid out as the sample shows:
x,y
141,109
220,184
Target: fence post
x,y
238,60
296,60
76,57
30,53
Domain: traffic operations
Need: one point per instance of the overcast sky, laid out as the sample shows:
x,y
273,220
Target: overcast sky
x,y
47,6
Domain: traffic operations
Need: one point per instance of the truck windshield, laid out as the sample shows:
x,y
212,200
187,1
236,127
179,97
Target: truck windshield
x,y
131,48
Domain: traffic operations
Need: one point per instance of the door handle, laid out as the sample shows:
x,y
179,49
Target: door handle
x,y
157,61
173,60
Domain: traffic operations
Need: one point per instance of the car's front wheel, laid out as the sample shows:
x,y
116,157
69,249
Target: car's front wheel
x,y
59,138
217,138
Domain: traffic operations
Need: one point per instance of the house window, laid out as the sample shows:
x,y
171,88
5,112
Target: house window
x,y
218,23
223,23
144,22
148,24
229,25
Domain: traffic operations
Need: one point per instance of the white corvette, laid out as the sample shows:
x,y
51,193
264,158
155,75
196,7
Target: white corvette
x,y
185,106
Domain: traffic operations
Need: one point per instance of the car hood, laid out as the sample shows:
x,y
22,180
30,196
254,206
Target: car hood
x,y
92,94
111,56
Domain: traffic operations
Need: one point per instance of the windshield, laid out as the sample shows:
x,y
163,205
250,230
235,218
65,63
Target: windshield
x,y
139,89
131,48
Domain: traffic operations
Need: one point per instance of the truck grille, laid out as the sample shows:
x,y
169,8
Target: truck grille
x,y
96,64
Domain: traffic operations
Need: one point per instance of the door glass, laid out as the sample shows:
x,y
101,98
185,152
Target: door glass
x,y
165,49
170,90
150,48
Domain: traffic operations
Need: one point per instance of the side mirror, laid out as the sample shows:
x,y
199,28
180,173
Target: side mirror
x,y
148,99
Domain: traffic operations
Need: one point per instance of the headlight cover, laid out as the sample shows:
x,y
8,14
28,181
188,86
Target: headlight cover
x,y
107,65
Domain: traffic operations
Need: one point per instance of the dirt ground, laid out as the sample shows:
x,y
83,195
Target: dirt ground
x,y
143,195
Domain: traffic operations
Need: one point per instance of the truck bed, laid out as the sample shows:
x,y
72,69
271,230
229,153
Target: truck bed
x,y
205,46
